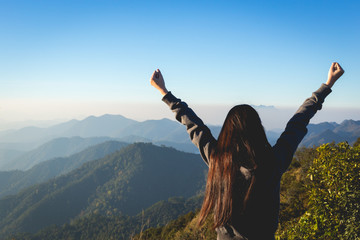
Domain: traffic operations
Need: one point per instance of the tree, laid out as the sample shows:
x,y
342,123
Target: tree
x,y
334,196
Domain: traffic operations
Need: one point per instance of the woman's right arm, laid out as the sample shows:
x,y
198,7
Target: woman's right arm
x,y
296,128
199,133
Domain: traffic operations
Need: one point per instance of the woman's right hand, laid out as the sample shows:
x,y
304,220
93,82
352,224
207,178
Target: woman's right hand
x,y
158,82
334,74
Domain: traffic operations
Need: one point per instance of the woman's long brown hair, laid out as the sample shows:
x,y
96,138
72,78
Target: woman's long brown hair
x,y
241,142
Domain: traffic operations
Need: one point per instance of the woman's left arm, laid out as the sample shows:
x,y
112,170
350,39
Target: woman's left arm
x,y
199,133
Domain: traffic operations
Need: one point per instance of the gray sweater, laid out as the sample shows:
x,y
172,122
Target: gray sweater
x,y
260,221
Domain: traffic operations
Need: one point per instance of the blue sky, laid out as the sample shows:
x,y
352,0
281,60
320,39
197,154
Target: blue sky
x,y
73,58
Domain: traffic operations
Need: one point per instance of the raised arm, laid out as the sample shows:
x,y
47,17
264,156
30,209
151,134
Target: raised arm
x,y
199,133
296,130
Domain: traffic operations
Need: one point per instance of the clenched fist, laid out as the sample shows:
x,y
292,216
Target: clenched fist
x,y
334,74
158,82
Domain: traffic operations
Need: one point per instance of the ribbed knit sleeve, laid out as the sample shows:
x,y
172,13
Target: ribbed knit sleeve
x,y
296,130
199,133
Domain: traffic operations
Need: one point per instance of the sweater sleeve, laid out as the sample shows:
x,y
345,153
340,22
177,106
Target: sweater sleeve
x,y
199,133
296,130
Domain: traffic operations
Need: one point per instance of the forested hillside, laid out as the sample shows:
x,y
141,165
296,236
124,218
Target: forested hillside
x,y
99,227
120,184
12,182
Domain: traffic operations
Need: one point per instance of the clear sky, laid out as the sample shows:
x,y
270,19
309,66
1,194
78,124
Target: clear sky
x,y
73,58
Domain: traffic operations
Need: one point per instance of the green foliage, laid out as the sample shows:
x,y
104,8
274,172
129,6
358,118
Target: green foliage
x,y
293,194
333,210
193,232
168,231
185,227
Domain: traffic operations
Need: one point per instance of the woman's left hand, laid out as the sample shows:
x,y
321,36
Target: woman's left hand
x,y
158,82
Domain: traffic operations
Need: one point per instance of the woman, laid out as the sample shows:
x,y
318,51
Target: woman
x,y
243,184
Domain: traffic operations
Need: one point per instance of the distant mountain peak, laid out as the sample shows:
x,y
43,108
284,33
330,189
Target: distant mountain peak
x,y
163,120
350,121
107,116
263,106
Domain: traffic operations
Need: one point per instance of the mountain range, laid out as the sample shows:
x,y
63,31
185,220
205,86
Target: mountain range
x,y
24,148
59,147
13,181
122,183
114,126
348,130
21,149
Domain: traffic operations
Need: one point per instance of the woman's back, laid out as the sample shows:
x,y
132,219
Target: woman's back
x,y
260,218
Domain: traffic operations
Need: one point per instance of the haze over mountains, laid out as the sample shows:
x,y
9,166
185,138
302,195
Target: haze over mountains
x,y
24,148
54,148
13,181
